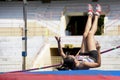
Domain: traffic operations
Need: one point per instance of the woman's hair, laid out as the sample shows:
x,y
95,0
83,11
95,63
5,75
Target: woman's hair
x,y
69,62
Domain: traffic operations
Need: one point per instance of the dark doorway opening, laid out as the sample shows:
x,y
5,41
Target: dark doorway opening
x,y
67,51
77,24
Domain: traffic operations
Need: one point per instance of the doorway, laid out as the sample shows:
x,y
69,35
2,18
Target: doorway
x,y
76,25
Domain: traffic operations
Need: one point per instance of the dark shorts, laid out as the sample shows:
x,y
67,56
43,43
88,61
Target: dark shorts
x,y
94,55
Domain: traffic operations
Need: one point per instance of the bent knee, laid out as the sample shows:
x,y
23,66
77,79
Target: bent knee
x,y
85,35
90,34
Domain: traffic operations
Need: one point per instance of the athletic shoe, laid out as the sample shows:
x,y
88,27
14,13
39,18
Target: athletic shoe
x,y
90,9
98,10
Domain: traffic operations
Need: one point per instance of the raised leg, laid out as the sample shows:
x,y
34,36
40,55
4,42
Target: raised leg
x,y
91,43
87,29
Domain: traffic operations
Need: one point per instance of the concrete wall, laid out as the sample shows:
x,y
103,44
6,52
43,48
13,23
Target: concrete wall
x,y
43,58
11,52
11,15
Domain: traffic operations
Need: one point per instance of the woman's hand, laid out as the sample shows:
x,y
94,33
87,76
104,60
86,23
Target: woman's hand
x,y
98,45
58,38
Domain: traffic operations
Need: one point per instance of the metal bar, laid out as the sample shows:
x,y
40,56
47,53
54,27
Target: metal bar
x,y
35,68
110,49
24,38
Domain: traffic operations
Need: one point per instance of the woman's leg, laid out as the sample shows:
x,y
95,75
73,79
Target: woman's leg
x,y
87,29
91,43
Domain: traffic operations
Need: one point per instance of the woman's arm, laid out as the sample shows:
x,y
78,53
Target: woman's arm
x,y
98,63
78,52
91,64
59,47
99,54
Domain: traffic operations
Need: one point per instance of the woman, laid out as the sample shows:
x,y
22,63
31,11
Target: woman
x,y
89,46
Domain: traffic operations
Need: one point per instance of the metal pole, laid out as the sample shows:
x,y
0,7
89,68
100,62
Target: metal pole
x,y
24,37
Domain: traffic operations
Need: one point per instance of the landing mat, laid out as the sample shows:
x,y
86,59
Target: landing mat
x,y
63,75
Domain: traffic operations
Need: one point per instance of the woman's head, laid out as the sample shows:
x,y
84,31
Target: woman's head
x,y
69,62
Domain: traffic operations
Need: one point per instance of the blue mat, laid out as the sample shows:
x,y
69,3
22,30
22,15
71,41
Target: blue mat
x,y
81,72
